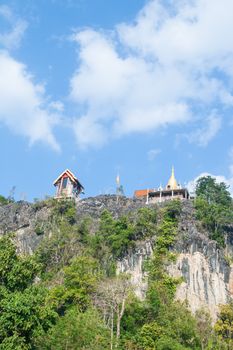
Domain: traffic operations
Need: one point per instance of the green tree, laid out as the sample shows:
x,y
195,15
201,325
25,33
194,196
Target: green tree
x,y
56,251
24,316
77,331
214,207
16,272
113,238
24,310
146,223
224,325
3,200
212,192
204,327
173,328
80,280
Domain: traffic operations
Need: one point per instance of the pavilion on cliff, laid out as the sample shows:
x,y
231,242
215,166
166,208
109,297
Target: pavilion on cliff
x,y
67,185
173,190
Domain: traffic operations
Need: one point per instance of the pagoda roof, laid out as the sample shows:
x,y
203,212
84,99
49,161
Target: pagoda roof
x,y
70,175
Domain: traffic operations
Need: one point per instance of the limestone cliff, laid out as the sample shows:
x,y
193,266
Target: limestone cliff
x,y
207,274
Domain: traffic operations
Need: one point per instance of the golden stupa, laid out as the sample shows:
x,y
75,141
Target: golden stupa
x,y
172,183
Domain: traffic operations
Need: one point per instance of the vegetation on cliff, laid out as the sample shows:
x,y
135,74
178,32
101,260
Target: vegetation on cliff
x,y
214,207
67,294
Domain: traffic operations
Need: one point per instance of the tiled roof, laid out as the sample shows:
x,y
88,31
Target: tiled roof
x,y
141,193
67,172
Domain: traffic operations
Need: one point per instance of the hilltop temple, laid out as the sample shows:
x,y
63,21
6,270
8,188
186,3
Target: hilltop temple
x,y
67,185
173,190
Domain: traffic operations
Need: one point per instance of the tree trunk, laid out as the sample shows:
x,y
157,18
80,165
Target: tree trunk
x,y
112,319
119,317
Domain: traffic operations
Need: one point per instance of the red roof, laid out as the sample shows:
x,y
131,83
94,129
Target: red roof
x,y
66,173
142,193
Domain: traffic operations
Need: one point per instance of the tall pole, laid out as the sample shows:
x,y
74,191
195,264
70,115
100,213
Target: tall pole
x,y
147,197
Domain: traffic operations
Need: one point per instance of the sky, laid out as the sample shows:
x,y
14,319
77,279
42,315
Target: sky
x,y
119,86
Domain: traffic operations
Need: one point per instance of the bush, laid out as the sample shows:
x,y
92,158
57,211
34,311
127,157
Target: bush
x,y
3,200
77,331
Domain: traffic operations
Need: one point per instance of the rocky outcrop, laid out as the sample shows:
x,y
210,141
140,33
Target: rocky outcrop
x,y
133,264
24,219
30,222
206,273
117,205
207,277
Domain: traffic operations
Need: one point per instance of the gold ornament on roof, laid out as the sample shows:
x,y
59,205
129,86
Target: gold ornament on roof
x,y
118,181
172,183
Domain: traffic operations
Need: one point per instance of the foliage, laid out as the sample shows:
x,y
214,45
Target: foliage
x,y
59,248
39,230
77,331
136,315
224,325
80,280
160,322
146,223
25,314
79,303
162,286
3,200
64,209
16,272
119,235
24,311
204,327
212,192
214,207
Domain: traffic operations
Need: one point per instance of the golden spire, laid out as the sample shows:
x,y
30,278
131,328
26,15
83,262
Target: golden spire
x,y
172,183
118,181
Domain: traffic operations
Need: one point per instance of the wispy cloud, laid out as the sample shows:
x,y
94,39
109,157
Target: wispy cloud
x,y
151,73
202,136
11,38
153,153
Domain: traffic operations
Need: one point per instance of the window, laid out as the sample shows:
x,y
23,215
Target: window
x,y
65,182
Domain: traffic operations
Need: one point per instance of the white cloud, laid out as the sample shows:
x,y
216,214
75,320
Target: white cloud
x,y
11,38
204,135
24,107
153,153
23,103
57,106
150,73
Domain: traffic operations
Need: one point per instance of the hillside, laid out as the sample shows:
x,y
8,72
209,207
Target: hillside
x,y
203,265
160,253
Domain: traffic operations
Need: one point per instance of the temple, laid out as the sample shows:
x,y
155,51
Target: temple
x,y
173,190
67,185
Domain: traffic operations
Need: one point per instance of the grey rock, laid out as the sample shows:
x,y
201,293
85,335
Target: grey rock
x,y
207,274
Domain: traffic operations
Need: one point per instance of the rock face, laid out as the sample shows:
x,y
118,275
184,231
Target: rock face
x,y
117,205
207,277
23,219
133,265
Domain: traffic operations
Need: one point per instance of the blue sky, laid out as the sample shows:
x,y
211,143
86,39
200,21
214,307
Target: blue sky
x,y
101,87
